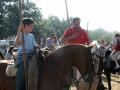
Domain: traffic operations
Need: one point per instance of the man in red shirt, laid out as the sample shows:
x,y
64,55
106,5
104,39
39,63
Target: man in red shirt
x,y
75,34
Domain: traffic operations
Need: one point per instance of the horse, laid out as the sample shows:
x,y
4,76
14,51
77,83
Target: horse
x,y
106,64
55,67
109,67
97,54
59,62
6,83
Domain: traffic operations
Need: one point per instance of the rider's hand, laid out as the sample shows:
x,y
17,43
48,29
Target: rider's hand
x,y
21,27
75,35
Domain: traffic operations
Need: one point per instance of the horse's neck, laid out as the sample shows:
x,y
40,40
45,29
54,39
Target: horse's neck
x,y
51,78
54,71
58,68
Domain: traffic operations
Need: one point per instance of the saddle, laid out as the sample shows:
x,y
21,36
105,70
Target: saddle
x,y
34,70
11,69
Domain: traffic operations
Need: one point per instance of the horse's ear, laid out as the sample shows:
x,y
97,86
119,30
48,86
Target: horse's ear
x,y
90,47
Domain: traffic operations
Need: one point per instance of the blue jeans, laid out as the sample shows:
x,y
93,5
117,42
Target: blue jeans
x,y
20,75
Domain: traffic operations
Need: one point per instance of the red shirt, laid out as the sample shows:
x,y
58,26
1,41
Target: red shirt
x,y
117,47
81,39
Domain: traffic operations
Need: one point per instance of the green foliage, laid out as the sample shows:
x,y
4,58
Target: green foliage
x,y
100,34
7,7
53,25
9,16
9,21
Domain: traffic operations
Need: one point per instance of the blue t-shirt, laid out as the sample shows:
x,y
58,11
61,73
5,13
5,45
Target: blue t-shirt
x,y
49,42
29,42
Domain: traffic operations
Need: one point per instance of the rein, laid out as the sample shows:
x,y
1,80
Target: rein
x,y
87,77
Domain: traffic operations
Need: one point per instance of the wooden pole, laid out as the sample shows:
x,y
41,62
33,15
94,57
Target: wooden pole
x,y
67,13
23,45
87,26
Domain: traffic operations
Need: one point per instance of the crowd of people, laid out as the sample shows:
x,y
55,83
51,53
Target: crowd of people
x,y
72,35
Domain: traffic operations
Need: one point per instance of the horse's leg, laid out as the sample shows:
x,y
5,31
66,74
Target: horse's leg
x,y
68,80
100,84
108,76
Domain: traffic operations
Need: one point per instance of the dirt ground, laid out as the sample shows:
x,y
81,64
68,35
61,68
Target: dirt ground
x,y
115,82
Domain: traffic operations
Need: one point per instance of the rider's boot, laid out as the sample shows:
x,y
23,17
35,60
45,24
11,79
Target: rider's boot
x,y
117,65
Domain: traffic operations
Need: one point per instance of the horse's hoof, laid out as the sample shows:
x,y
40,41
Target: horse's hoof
x,y
113,72
105,87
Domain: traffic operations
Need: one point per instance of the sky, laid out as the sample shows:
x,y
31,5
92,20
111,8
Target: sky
x,y
94,13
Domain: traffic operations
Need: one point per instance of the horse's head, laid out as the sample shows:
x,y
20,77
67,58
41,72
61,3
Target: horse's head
x,y
97,49
94,46
98,53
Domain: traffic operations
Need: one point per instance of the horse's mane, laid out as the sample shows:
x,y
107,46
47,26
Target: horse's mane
x,y
62,49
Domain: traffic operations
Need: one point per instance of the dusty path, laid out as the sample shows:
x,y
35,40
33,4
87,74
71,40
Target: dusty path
x,y
115,82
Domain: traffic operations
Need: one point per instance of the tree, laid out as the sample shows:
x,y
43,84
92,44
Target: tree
x,y
9,16
54,25
100,34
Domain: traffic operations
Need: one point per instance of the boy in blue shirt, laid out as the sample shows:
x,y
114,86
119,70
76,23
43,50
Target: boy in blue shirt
x,y
27,26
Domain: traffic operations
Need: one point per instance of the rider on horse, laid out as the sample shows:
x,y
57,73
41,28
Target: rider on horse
x,y
75,35
115,55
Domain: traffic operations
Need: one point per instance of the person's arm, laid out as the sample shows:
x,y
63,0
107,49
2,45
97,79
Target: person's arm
x,y
18,36
66,38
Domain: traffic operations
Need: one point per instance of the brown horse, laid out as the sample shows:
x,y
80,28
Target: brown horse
x,y
56,67
6,83
58,64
